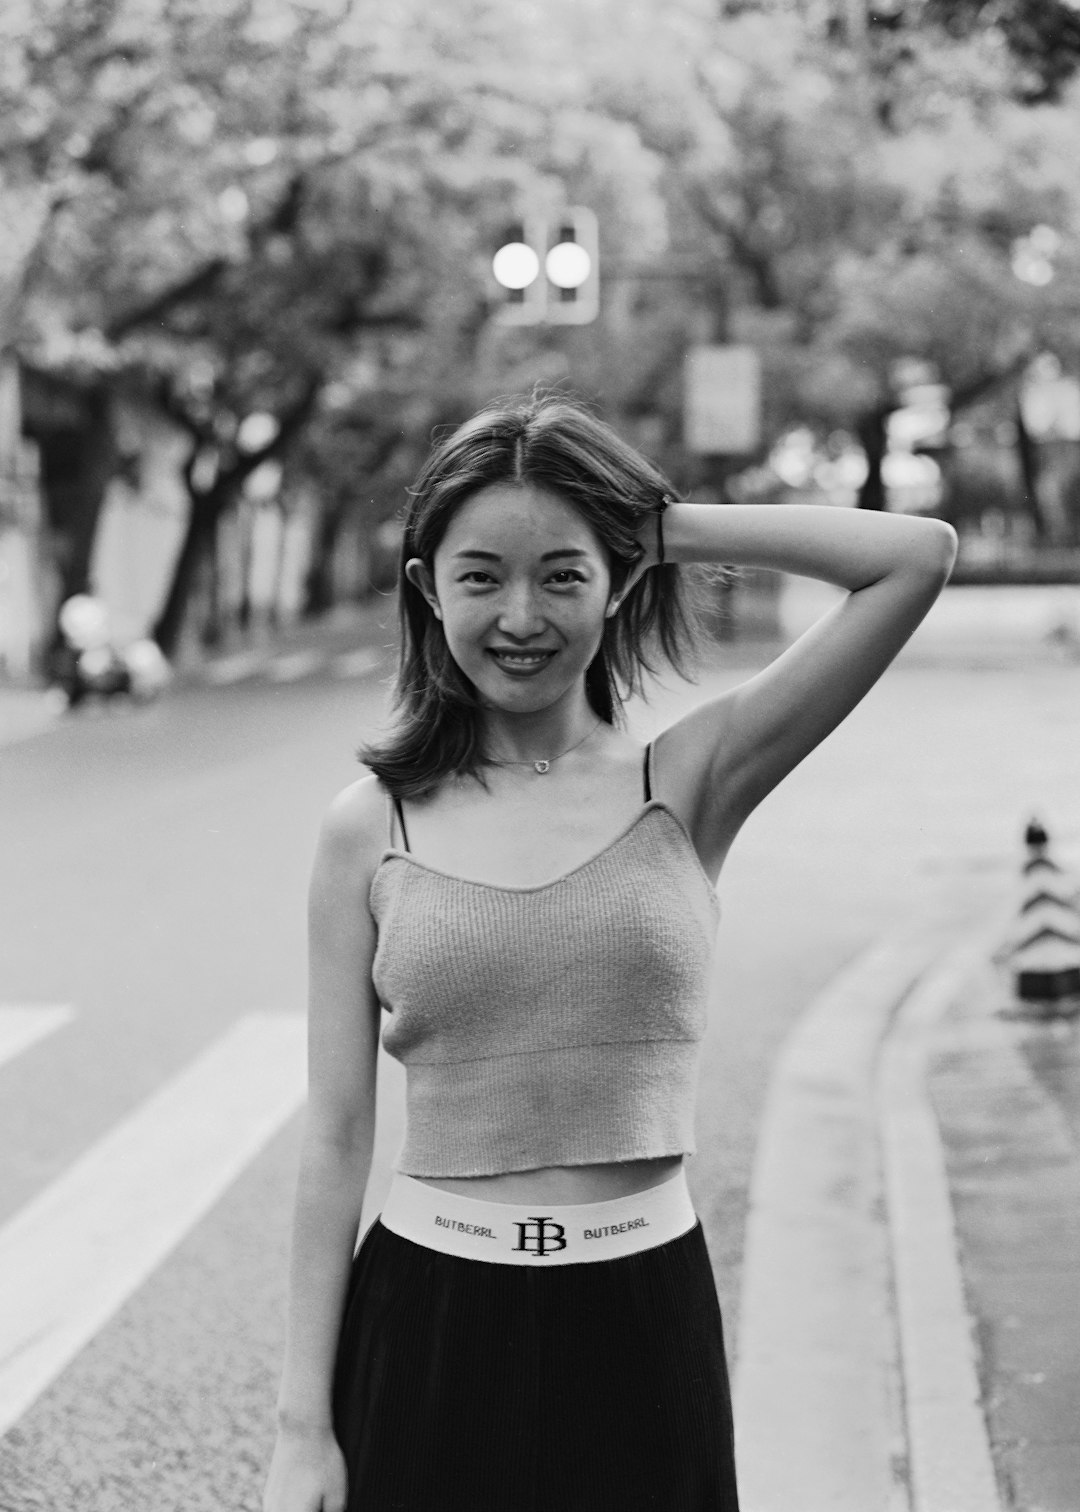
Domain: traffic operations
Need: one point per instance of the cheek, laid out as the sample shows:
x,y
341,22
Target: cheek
x,y
462,617
578,619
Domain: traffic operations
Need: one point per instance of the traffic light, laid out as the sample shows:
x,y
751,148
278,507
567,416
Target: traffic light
x,y
549,270
572,265
518,270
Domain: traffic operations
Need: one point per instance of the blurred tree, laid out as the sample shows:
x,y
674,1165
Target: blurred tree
x,y
276,217
259,200
882,235
1042,36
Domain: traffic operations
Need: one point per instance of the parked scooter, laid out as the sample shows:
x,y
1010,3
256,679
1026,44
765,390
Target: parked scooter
x,y
89,663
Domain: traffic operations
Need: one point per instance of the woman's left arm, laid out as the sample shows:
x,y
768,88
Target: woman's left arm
x,y
731,751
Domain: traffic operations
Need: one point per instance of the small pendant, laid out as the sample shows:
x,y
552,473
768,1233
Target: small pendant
x,y
541,766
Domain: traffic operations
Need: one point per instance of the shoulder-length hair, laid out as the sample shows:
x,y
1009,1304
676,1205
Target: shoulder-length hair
x,y
546,442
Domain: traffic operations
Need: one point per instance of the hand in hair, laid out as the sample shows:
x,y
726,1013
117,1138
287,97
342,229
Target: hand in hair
x,y
651,537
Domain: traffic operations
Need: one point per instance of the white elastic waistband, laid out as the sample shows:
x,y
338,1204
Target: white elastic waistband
x,y
538,1233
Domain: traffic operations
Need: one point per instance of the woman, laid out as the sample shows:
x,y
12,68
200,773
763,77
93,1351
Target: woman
x,y
532,1322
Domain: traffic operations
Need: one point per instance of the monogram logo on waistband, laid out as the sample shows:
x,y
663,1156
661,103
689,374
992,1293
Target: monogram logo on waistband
x,y
540,1236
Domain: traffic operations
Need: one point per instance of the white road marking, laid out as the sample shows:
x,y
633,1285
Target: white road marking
x,y
22,1025
73,1255
298,664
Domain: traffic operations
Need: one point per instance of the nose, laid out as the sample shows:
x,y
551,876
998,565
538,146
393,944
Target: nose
x,y
520,611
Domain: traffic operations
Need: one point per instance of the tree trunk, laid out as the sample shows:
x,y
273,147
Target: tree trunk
x,y
319,578
206,510
873,437
1028,456
78,459
212,630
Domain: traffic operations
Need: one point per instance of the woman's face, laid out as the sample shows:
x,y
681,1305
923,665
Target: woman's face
x,y
522,588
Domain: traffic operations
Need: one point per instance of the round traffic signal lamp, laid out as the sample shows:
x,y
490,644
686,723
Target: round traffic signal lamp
x,y
568,265
515,265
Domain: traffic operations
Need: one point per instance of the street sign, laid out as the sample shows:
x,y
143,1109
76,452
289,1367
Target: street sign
x,y
722,400
1051,407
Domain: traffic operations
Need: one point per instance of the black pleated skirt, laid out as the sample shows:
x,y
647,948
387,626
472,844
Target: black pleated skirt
x,y
463,1386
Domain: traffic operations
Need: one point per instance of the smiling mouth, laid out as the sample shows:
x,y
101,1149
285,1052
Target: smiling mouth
x,y
526,660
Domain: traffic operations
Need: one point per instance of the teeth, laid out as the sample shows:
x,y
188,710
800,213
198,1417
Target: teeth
x,y
515,656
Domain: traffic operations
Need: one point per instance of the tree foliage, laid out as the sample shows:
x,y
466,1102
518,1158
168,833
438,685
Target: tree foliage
x,y
275,217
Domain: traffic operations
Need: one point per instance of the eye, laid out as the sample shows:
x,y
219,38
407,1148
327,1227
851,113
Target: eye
x,y
562,577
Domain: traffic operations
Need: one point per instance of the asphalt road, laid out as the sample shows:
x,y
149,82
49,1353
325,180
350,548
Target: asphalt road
x,y
152,880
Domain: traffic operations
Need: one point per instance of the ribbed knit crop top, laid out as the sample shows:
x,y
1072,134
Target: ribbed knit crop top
x,y
552,1025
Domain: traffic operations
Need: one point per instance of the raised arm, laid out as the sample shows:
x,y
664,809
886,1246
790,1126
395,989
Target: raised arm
x,y
728,753
307,1470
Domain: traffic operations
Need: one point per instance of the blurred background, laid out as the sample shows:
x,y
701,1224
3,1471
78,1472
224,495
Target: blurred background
x,y
253,254
246,268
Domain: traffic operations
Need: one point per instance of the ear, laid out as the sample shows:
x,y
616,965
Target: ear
x,y
420,576
616,600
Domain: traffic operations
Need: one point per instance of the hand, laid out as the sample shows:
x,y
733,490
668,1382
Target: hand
x,y
307,1473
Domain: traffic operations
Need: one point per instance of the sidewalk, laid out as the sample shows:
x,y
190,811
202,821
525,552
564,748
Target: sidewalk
x,y
910,1328
27,711
352,641
969,626
1006,1091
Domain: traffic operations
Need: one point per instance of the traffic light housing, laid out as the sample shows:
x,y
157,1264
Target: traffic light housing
x,y
548,270
518,266
572,266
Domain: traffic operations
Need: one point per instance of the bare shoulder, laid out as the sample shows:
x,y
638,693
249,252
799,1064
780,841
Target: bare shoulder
x,y
354,833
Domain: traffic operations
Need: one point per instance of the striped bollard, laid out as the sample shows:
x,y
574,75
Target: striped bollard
x,y
1046,956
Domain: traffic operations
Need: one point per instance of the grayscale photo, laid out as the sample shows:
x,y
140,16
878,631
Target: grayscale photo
x,y
540,756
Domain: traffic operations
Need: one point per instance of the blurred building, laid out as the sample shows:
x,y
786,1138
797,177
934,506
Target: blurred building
x,y
22,591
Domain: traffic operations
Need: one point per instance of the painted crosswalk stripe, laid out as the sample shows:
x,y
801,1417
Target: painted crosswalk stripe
x,y
72,1256
23,1024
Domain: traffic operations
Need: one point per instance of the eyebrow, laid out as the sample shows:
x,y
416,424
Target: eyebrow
x,y
548,556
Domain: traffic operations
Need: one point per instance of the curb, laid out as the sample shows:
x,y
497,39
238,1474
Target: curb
x,y
26,712
950,1461
825,1343
285,666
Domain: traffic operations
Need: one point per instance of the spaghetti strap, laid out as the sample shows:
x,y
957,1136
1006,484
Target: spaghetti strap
x,y
401,823
646,773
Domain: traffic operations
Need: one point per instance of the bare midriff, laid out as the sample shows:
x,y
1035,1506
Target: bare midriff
x,y
562,1184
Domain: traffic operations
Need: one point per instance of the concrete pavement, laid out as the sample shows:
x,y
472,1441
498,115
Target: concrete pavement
x,y
911,810
351,641
1006,1091
1007,626
910,1307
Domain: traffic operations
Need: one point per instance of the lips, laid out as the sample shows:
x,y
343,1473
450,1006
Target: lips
x,y
520,662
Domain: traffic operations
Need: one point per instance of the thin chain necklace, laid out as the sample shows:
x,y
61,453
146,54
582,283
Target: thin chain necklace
x,y
544,765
